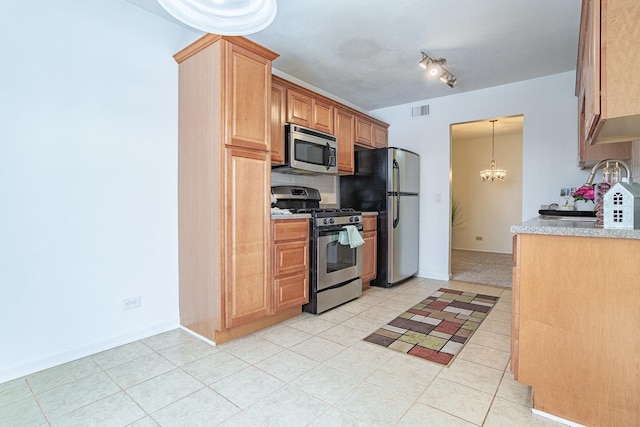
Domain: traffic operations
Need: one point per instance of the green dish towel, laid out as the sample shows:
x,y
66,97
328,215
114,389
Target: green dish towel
x,y
349,235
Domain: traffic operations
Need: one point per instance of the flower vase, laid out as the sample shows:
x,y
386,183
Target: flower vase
x,y
584,205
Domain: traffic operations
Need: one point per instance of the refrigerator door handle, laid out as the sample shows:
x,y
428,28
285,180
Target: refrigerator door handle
x,y
396,168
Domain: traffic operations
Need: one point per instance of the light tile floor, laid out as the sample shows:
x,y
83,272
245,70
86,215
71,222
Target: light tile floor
x,y
309,370
481,267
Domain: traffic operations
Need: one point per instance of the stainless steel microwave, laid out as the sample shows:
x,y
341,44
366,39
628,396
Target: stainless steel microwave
x,y
308,151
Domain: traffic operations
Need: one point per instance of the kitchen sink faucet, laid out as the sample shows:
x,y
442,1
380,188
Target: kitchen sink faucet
x,y
592,175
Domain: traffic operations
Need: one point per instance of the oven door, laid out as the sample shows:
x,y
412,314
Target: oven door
x,y
336,263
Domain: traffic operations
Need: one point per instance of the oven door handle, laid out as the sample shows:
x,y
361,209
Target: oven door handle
x,y
325,231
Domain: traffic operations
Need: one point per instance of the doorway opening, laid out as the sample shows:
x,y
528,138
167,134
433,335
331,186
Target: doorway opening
x,y
482,213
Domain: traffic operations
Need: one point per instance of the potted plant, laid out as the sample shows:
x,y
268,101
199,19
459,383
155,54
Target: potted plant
x,y
584,198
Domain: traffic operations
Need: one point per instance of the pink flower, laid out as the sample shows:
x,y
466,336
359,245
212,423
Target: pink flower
x,y
585,192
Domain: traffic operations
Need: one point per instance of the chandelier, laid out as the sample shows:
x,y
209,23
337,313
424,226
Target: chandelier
x,y
493,174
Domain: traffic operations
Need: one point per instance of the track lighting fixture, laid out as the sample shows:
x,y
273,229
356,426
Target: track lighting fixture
x,y
435,68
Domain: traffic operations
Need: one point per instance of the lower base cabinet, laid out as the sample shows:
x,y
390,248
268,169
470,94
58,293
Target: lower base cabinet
x,y
369,254
290,263
574,332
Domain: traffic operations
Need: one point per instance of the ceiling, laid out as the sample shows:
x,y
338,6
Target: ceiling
x,y
367,51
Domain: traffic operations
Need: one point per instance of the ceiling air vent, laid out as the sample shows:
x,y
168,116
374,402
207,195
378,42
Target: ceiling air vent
x,y
421,111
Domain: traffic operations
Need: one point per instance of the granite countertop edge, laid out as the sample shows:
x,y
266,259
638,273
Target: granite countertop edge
x,y
576,228
290,216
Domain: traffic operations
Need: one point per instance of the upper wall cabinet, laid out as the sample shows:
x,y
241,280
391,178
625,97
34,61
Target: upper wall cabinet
x,y
291,103
298,108
380,136
370,134
305,110
345,132
607,85
278,119
322,116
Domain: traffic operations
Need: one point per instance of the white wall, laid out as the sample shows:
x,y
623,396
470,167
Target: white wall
x,y
549,150
88,179
488,209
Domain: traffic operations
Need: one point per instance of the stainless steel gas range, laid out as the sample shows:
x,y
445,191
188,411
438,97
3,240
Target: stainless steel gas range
x,y
335,268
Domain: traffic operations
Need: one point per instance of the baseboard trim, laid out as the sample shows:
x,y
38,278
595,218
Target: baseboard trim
x,y
556,419
50,360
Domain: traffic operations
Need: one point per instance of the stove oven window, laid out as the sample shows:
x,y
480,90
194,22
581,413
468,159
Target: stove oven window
x,y
340,257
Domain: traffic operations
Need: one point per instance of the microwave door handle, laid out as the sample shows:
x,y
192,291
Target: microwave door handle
x,y
327,155
396,193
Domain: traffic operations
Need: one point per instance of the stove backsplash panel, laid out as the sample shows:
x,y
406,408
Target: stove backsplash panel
x,y
326,184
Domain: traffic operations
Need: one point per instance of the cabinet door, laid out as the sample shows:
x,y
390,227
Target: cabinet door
x,y
345,133
291,277
379,136
292,291
246,215
515,308
591,70
369,256
298,108
247,99
278,119
290,257
322,115
364,132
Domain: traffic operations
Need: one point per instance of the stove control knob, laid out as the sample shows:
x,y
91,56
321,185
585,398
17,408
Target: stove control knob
x,y
326,221
331,220
353,219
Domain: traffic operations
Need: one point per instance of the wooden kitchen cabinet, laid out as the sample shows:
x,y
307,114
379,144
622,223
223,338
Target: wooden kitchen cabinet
x,y
278,120
247,274
305,110
345,134
574,341
370,134
369,250
607,85
290,263
224,232
295,104
380,136
364,132
298,108
322,116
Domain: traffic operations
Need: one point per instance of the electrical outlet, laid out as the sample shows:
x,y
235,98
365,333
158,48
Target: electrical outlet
x,y
478,237
129,303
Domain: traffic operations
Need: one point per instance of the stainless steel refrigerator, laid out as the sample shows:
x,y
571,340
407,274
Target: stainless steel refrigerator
x,y
387,180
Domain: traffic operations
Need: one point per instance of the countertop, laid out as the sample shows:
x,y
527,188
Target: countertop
x,y
290,216
369,213
571,226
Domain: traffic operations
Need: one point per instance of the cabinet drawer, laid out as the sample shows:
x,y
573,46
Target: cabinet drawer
x,y
369,223
290,257
290,230
292,291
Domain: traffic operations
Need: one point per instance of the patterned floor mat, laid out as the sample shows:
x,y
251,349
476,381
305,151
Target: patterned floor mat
x,y
438,327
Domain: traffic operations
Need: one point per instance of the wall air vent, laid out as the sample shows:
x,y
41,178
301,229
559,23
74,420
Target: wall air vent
x,y
421,111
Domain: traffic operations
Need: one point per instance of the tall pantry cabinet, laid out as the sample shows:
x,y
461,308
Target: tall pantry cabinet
x,y
223,187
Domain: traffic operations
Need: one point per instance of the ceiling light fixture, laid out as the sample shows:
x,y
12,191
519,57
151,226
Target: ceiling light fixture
x,y
435,68
223,17
493,174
